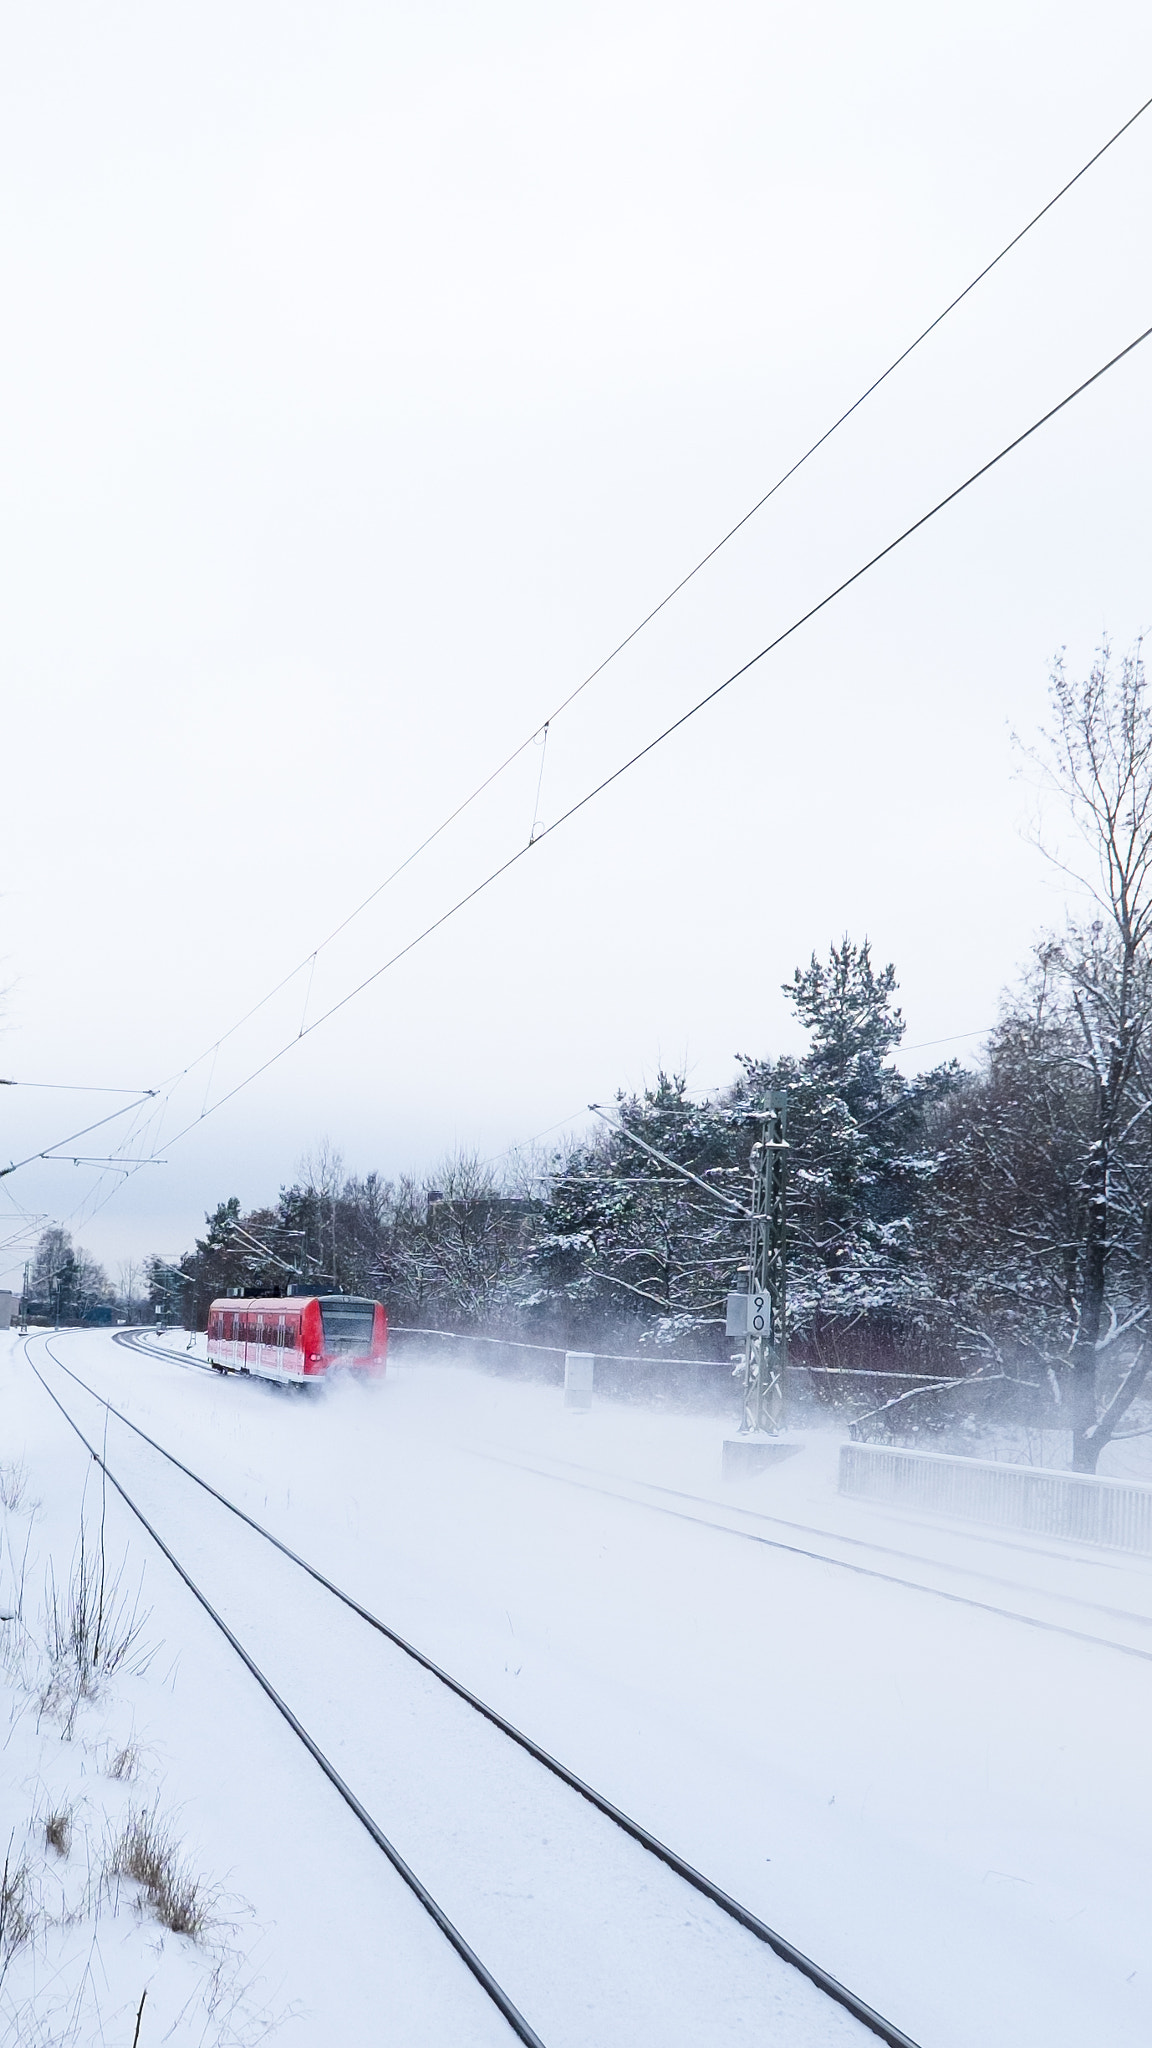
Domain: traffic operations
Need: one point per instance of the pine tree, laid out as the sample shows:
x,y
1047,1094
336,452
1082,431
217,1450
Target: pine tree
x,y
861,1160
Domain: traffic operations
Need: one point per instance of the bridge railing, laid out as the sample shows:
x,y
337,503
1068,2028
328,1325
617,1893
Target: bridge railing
x,y
1116,1513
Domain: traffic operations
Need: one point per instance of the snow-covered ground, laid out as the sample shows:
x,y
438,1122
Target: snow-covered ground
x,y
945,1808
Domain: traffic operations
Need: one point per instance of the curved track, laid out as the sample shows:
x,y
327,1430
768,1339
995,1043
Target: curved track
x,y
736,1912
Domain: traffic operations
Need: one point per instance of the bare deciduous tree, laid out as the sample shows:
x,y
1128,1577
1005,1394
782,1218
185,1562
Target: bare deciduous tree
x,y
1097,759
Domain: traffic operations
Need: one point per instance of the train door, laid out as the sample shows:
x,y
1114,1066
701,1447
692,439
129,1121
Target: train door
x,y
292,1343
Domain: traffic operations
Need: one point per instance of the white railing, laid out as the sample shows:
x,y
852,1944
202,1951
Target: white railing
x,y
1073,1505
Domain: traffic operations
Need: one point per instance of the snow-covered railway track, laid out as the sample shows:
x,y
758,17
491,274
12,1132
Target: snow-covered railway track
x,y
624,1492
563,1470
638,1493
139,1340
802,2030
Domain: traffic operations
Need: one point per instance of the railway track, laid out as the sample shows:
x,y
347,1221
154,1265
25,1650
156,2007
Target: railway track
x,y
688,1505
139,1340
616,1491
733,1911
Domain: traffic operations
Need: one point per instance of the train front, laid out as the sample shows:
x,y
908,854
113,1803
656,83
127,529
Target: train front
x,y
345,1331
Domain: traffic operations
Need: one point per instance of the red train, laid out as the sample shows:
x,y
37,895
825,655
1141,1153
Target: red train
x,y
297,1337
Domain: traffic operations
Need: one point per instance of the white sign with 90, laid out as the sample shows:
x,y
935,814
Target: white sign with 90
x,y
749,1315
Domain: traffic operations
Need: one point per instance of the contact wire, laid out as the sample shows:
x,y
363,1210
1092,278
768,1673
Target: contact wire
x,y
703,562
497,873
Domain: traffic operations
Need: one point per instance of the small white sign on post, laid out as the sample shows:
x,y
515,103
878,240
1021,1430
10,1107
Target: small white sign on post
x,y
578,1369
749,1315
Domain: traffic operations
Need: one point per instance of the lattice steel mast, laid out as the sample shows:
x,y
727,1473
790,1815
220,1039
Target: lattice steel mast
x,y
766,1342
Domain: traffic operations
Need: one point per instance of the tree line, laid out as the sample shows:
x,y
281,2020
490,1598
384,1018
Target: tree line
x,y
989,1226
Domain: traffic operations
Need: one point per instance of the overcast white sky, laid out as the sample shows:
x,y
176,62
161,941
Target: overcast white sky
x,y
366,372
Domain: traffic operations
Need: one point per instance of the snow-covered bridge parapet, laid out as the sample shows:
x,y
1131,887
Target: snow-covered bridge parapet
x,y
1113,1512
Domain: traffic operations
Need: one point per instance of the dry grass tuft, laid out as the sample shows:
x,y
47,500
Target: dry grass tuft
x,y
93,1630
16,1910
125,1765
146,1853
15,1485
58,1830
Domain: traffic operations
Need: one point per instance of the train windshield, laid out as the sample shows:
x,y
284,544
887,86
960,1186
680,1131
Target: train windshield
x,y
348,1325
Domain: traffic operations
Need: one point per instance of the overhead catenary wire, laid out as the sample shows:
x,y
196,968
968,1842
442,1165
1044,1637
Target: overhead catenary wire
x,y
523,1144
536,835
541,729
726,1202
54,1154
88,1207
78,1088
513,859
643,1358
54,1150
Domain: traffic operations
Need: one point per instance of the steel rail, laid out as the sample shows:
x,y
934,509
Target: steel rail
x,y
778,1943
480,1971
137,1340
842,1564
936,1564
749,1536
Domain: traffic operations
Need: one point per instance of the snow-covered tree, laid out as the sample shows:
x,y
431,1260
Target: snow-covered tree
x,y
64,1279
629,1236
861,1162
1044,1232
626,1238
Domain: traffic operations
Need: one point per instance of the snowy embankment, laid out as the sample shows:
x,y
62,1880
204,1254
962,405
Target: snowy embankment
x,y
916,1792
109,1927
